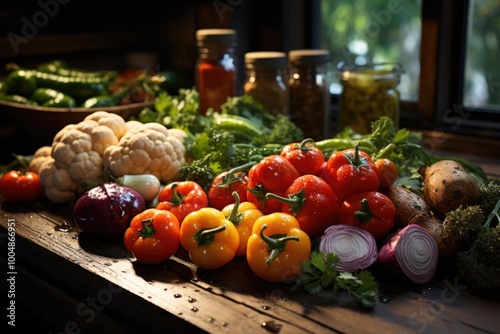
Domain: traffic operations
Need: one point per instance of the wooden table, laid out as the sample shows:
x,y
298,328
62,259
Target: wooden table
x,y
86,286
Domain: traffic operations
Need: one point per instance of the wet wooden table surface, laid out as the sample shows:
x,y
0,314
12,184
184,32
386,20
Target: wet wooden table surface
x,y
86,286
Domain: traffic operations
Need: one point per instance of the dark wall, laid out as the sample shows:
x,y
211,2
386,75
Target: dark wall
x,y
107,34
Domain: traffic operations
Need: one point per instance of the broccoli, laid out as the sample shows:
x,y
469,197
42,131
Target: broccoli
x,y
461,226
490,195
479,266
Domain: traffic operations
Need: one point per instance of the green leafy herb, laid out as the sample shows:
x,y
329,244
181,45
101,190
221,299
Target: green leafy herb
x,y
320,273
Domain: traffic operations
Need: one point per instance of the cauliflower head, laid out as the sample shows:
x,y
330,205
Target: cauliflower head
x,y
147,148
76,155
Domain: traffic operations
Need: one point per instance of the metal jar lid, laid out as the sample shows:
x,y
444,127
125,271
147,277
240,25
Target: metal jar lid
x,y
266,59
225,36
309,56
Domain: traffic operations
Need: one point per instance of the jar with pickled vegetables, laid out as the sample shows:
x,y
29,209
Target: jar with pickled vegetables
x,y
368,92
309,92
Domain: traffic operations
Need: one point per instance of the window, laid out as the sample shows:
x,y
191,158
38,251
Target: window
x,y
482,72
375,31
447,48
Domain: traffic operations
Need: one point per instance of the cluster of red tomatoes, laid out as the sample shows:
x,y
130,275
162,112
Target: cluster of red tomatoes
x,y
345,188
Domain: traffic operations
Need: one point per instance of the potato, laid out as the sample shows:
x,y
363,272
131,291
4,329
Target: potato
x,y
447,185
410,207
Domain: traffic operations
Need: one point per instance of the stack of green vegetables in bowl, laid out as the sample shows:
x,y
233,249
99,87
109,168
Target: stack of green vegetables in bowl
x,y
55,84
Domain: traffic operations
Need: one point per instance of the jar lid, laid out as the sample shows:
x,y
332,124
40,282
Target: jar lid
x,y
216,35
309,56
370,71
266,58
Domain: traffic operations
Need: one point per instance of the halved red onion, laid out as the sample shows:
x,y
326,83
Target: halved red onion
x,y
355,247
411,251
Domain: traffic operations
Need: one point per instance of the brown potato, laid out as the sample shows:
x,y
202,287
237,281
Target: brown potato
x,y
410,207
447,185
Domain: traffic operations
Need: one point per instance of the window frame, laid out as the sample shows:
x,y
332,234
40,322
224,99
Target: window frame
x,y
440,100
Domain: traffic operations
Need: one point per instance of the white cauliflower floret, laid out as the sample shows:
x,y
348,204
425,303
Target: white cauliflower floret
x,y
39,157
86,166
149,148
113,121
132,124
71,143
58,185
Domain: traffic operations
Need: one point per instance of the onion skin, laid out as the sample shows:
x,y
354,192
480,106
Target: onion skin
x,y
411,253
106,211
355,247
147,185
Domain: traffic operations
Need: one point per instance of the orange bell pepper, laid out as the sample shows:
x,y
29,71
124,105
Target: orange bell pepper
x,y
210,238
277,254
153,236
243,215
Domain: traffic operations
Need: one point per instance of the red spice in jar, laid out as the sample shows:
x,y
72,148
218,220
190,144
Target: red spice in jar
x,y
216,67
216,84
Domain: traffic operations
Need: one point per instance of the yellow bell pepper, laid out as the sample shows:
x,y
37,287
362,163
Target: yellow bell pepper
x,y
243,215
277,254
210,238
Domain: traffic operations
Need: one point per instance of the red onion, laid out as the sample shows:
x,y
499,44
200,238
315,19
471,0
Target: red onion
x,y
106,210
355,247
411,252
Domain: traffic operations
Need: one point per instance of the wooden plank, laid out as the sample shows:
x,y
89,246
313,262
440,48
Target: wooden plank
x,y
177,295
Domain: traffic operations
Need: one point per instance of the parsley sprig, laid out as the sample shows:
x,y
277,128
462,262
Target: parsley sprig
x,y
320,272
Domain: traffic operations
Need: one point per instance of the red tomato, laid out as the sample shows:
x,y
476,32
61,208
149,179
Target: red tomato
x,y
182,198
370,210
351,171
220,193
304,156
16,186
387,171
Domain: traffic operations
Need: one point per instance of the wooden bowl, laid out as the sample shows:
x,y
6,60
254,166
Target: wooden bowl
x,y
42,123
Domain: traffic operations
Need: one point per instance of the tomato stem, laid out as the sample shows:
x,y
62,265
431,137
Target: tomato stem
x,y
356,160
303,145
294,201
365,214
232,177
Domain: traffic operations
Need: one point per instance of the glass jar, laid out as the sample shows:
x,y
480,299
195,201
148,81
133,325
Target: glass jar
x,y
309,92
265,80
216,73
368,92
